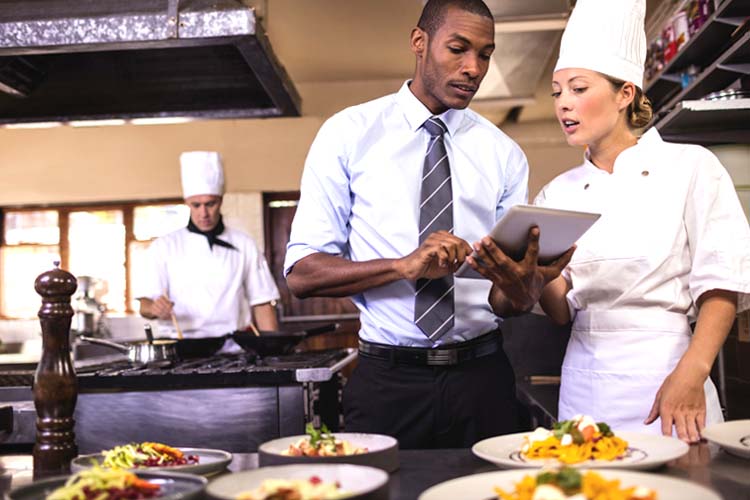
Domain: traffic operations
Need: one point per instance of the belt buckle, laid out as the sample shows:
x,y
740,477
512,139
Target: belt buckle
x,y
442,357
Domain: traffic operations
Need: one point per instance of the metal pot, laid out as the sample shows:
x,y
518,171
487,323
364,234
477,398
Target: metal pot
x,y
162,352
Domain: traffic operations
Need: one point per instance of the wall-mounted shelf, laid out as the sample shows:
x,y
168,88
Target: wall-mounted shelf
x,y
729,66
722,50
708,122
712,38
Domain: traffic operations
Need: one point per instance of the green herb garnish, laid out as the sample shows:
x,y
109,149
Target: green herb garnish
x,y
559,429
605,429
567,479
319,436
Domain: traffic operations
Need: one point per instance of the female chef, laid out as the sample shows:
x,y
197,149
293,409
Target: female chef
x,y
672,246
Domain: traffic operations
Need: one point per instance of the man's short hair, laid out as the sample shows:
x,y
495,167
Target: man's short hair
x,y
433,14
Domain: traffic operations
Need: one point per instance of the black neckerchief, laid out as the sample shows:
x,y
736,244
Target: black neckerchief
x,y
212,235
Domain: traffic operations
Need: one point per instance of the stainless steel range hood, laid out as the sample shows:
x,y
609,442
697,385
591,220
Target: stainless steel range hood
x,y
64,60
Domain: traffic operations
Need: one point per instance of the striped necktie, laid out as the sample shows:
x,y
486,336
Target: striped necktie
x,y
433,305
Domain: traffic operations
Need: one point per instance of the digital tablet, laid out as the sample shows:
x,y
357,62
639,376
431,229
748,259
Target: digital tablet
x,y
558,231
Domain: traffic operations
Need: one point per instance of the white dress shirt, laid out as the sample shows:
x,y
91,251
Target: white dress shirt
x,y
211,287
360,200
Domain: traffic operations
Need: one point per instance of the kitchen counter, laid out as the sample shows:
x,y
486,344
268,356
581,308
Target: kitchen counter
x,y
706,464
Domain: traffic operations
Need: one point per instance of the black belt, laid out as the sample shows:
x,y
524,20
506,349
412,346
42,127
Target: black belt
x,y
451,354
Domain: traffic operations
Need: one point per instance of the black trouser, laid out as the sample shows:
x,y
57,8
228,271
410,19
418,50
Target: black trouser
x,y
433,406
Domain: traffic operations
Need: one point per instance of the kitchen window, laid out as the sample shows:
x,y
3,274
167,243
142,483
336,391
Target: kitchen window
x,y
106,242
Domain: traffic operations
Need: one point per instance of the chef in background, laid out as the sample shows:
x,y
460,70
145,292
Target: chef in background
x,y
672,246
207,274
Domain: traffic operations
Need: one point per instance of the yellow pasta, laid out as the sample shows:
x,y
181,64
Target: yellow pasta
x,y
583,440
592,486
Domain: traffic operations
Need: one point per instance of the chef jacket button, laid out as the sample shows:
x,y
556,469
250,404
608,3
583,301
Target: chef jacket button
x,y
586,186
644,173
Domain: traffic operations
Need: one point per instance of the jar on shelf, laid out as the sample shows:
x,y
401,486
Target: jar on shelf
x,y
688,75
698,13
670,43
680,27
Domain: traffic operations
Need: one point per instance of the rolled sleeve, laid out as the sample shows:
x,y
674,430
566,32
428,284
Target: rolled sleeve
x,y
718,233
321,223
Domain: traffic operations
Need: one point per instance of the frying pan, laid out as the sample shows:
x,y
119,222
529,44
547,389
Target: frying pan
x,y
161,352
198,347
274,343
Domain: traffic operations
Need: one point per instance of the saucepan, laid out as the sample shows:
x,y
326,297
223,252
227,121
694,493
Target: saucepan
x,y
161,352
274,343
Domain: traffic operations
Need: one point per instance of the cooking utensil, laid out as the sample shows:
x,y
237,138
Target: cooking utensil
x,y
161,353
199,347
149,333
273,343
254,329
174,318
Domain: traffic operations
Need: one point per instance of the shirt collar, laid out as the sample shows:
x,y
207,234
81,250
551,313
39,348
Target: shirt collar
x,y
417,113
650,139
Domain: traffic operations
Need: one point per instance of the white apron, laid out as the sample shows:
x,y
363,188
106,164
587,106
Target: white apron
x,y
616,361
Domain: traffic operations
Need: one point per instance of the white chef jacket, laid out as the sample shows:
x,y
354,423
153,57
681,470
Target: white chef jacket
x,y
210,287
672,228
360,200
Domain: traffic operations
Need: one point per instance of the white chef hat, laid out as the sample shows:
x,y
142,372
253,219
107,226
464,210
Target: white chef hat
x,y
607,36
201,173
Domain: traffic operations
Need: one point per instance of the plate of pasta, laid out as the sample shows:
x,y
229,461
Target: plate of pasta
x,y
568,483
580,442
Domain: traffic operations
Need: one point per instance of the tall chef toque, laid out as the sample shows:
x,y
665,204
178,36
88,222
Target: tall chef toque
x,y
201,173
607,36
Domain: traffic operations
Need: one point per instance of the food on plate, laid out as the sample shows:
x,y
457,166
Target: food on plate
x,y
146,454
313,488
104,484
574,441
321,443
569,484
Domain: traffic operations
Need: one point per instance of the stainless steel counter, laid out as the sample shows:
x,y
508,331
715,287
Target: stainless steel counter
x,y
706,464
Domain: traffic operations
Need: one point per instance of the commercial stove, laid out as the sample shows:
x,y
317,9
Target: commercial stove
x,y
231,401
220,370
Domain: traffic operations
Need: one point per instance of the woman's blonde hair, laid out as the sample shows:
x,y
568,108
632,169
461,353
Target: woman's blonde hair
x,y
640,110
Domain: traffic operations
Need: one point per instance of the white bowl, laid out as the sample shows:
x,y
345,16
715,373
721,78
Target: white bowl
x,y
382,451
363,483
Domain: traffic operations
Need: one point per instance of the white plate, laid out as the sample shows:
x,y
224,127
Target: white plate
x,y
480,486
209,462
382,451
733,436
358,480
645,451
174,486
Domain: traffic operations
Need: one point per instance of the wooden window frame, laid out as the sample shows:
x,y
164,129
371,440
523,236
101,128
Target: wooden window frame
x,y
64,210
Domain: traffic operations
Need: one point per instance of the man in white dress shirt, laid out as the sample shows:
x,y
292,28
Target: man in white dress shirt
x,y
365,227
207,274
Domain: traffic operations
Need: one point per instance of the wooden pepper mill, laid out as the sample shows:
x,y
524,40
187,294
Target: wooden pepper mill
x,y
55,386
